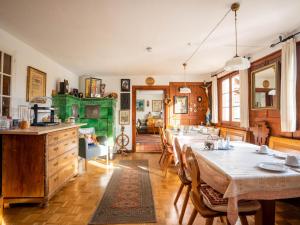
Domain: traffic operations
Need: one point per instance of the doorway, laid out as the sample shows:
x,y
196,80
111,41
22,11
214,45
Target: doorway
x,y
148,114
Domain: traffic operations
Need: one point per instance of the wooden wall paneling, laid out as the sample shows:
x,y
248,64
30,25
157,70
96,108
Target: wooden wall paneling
x,y
271,116
197,110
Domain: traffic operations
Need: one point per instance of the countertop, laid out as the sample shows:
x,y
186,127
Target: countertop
x,y
41,130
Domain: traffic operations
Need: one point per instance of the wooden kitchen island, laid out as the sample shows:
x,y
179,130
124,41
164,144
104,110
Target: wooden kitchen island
x,y
37,162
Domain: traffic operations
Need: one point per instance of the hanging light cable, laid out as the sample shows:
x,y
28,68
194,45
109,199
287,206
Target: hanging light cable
x,y
237,62
185,89
207,36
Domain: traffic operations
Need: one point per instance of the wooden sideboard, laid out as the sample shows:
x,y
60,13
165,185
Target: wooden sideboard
x,y
37,163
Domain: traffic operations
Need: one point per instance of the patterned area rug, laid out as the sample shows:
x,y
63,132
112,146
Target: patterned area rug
x,y
128,197
148,143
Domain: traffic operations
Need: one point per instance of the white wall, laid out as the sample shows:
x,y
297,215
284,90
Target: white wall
x,y
148,96
23,56
113,85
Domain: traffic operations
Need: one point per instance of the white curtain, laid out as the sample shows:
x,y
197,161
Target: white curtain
x,y
244,100
288,86
214,103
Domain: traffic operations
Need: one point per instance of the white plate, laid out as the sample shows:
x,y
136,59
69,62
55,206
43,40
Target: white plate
x,y
295,166
279,155
277,167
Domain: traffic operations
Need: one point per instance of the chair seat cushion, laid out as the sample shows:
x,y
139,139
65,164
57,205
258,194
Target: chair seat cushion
x,y
215,201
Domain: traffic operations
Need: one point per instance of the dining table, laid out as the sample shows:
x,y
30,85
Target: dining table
x,y
238,175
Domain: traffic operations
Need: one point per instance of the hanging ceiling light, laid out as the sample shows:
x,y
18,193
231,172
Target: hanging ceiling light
x,y
185,89
237,62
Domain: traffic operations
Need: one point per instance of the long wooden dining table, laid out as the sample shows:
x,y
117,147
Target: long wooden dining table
x,y
235,173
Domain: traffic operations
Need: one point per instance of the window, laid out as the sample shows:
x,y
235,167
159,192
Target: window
x,y
230,99
5,83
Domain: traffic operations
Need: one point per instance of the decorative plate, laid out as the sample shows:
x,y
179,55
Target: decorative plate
x,y
266,83
150,81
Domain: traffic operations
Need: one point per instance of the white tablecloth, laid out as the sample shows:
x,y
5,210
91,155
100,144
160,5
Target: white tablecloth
x,y
187,138
235,174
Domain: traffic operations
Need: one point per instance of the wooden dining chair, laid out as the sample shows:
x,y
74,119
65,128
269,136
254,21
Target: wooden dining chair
x,y
260,133
167,155
184,178
162,144
208,202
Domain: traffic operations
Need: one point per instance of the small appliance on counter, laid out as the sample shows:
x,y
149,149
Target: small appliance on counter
x,y
38,109
64,87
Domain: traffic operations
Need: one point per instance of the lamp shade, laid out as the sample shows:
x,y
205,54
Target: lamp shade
x,y
185,90
237,63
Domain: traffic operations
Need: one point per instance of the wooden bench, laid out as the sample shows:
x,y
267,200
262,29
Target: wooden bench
x,y
285,144
234,134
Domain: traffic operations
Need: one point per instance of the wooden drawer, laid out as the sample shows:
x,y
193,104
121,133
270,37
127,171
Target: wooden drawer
x,y
60,148
55,137
58,163
58,179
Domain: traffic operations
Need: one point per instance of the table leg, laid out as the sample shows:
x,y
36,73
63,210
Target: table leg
x,y
266,216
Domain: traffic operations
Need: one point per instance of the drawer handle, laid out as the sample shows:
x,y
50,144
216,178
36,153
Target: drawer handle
x,y
74,142
65,157
55,138
55,179
55,164
65,135
66,144
73,153
55,149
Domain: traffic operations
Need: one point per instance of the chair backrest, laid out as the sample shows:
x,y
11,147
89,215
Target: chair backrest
x,y
261,133
234,134
178,156
287,145
194,171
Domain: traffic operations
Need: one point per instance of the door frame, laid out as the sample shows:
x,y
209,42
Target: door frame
x,y
135,88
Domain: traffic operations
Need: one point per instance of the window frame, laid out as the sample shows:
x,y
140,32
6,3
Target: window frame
x,y
220,99
11,76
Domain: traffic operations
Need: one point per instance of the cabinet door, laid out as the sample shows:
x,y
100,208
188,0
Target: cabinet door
x,y
23,165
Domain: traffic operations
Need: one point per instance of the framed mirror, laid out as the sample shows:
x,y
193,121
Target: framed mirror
x,y
265,87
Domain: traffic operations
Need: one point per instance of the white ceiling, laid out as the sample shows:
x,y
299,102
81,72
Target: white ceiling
x,y
109,37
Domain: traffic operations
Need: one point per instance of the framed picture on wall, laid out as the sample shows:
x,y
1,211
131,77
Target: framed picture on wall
x,y
156,105
125,101
36,83
125,85
140,105
124,117
180,104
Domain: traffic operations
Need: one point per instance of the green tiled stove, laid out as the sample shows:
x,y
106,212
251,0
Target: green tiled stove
x,y
96,112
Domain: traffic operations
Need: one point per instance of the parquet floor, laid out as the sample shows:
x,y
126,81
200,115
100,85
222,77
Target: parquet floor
x,y
76,202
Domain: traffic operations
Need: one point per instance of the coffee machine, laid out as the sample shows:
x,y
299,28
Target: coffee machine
x,y
38,109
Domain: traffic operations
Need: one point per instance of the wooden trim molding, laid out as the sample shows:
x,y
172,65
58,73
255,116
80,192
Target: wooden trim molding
x,y
136,88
